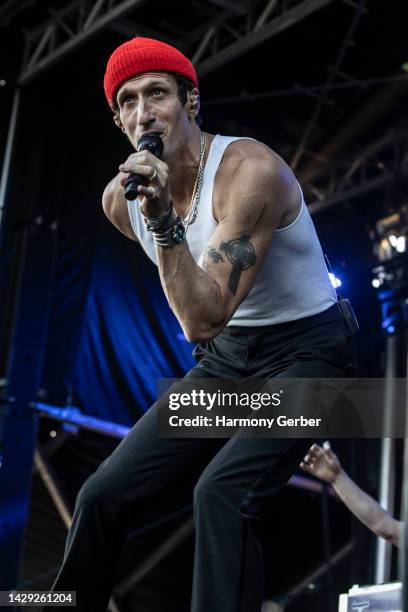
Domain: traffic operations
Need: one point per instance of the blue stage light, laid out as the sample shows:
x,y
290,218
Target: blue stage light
x,y
336,282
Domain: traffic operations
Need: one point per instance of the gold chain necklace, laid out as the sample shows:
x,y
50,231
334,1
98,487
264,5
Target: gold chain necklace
x,y
195,198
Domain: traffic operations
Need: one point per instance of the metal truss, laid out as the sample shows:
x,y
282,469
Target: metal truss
x,y
66,30
11,8
226,39
335,73
240,27
381,163
237,7
318,573
128,29
314,91
54,489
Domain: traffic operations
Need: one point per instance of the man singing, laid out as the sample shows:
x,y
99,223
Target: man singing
x,y
242,268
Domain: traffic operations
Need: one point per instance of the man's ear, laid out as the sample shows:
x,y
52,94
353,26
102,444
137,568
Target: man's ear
x,y
193,103
118,122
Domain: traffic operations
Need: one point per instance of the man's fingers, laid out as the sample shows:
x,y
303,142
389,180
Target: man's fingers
x,y
306,467
328,450
316,448
143,170
123,178
315,451
148,192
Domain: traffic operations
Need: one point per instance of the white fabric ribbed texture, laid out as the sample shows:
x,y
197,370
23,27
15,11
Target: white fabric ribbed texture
x,y
293,282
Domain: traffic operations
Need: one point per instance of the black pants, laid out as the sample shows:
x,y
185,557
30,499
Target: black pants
x,y
232,477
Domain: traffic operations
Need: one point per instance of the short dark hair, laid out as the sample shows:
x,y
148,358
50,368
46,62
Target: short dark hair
x,y
184,86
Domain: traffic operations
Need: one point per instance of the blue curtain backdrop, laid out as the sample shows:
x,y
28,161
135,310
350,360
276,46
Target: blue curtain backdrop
x,y
112,333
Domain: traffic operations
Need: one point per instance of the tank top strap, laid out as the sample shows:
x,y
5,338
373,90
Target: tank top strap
x,y
215,155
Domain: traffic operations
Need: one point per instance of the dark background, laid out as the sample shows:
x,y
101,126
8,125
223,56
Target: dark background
x,y
110,332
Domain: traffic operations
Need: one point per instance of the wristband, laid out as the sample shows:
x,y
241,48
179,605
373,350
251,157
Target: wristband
x,y
175,234
160,224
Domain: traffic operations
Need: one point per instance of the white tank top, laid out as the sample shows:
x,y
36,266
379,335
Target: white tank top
x,y
293,282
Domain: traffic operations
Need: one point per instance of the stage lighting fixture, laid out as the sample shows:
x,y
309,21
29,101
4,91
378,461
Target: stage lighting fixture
x,y
336,282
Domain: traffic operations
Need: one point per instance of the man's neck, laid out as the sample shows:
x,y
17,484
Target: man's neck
x,y
183,172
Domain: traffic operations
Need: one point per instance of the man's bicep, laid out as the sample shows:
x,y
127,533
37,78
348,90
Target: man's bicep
x,y
233,258
236,251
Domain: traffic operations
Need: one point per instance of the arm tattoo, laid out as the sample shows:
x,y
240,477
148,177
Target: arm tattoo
x,y
214,255
241,254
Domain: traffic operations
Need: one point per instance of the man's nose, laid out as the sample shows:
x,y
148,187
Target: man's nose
x,y
144,114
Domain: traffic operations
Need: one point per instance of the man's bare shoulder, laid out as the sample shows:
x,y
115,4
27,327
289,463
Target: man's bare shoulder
x,y
252,152
246,162
115,207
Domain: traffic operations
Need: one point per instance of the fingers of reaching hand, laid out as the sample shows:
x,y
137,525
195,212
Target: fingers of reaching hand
x,y
314,452
328,451
306,467
312,457
316,449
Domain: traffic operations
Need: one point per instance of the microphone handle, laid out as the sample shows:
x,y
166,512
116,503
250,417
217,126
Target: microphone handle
x,y
132,183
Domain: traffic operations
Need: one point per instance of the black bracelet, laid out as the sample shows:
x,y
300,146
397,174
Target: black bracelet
x,y
160,224
173,235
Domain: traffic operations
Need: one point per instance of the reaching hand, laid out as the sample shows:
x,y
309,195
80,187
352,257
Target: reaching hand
x,y
322,463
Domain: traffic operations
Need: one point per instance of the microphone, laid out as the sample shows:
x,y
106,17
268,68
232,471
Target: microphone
x,y
154,144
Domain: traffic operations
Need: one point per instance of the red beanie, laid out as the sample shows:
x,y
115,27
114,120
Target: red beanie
x,y
140,55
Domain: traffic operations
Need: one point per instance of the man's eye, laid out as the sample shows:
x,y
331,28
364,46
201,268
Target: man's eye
x,y
127,100
157,91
